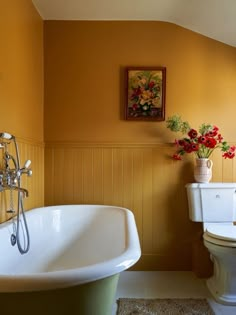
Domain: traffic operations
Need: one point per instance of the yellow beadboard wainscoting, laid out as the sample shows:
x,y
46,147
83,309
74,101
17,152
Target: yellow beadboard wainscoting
x,y
28,150
140,177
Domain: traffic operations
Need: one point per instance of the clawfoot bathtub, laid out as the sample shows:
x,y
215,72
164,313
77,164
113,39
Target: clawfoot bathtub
x,y
73,266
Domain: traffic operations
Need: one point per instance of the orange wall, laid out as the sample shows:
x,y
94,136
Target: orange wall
x,y
84,89
94,156
21,88
21,69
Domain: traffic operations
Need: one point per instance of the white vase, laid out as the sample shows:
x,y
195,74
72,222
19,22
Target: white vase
x,y
203,170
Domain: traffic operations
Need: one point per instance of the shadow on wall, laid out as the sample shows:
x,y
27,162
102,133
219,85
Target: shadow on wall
x,y
122,93
189,246
181,230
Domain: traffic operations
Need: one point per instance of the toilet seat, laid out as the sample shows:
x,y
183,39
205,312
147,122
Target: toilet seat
x,y
223,235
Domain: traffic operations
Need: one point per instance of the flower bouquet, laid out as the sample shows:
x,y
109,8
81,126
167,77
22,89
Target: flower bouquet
x,y
202,142
145,91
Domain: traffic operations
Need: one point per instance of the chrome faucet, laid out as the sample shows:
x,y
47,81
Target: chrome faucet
x,y
10,179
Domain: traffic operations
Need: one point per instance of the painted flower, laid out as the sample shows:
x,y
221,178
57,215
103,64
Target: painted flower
x,y
202,142
156,102
145,107
146,95
135,106
143,80
151,84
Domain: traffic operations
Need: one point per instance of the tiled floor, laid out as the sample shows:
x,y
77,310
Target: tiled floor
x,y
167,284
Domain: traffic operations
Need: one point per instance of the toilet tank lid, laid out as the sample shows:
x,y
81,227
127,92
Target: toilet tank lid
x,y
211,185
222,232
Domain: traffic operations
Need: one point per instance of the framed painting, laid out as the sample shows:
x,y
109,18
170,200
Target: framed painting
x,y
145,93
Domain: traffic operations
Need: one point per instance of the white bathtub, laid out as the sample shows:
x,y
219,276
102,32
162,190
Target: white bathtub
x,y
70,245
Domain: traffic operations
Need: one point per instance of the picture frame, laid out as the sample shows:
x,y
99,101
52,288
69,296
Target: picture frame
x,y
145,93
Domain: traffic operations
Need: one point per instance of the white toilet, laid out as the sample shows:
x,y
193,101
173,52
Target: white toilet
x,y
214,204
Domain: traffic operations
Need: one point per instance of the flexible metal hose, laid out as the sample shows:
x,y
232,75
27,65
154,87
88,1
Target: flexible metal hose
x,y
23,249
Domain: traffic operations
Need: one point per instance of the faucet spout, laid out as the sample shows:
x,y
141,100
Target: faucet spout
x,y
22,190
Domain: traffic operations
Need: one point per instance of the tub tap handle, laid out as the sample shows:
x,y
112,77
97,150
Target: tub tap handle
x,y
27,164
25,169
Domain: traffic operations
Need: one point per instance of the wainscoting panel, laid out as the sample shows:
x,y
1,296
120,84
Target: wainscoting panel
x,y
28,150
140,177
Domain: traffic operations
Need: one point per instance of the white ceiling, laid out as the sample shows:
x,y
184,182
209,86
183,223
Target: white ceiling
x,y
213,18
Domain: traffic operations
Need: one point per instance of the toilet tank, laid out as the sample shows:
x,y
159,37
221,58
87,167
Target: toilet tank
x,y
212,202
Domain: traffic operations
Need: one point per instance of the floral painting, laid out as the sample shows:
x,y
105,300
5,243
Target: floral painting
x,y
145,93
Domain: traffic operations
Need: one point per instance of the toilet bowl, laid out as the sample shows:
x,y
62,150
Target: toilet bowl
x,y
221,244
214,204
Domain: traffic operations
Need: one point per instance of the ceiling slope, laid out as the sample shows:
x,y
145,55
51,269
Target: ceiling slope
x,y
213,18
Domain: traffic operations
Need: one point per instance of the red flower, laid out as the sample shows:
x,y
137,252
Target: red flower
x,y
135,106
211,133
210,143
181,142
177,156
202,139
188,147
229,155
219,138
194,146
192,133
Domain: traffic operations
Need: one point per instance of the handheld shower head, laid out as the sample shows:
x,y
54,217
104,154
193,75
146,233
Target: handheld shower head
x,y
6,136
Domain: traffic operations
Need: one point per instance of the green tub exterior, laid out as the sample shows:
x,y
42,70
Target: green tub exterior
x,y
93,298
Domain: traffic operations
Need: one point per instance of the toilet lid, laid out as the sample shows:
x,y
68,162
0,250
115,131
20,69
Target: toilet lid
x,y
222,232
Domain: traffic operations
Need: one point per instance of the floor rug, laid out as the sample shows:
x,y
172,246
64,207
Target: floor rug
x,y
163,307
